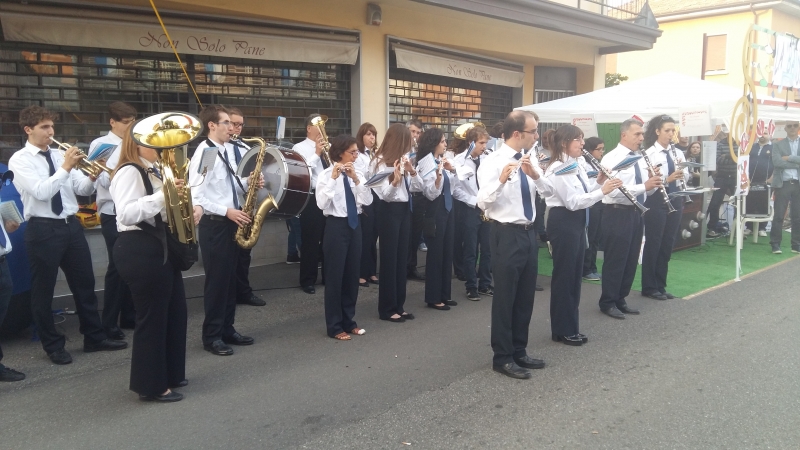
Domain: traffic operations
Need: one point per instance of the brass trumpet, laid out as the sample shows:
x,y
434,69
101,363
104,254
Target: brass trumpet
x,y
90,168
319,122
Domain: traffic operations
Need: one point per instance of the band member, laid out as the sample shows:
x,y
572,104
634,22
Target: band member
x,y
244,293
53,237
312,221
158,357
217,192
661,226
476,231
439,220
367,138
596,147
621,227
116,295
419,204
394,222
569,201
341,201
506,179
6,289
457,148
786,159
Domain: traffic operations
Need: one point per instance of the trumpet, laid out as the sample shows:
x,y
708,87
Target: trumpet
x,y
663,190
319,122
599,167
90,168
681,182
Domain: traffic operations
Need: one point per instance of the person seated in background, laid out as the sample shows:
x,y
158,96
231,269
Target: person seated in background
x,y
761,169
694,154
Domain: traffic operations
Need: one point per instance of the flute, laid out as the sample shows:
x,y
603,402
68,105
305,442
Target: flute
x,y
661,188
599,167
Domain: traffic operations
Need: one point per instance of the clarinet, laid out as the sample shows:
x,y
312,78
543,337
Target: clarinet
x,y
599,167
681,182
663,190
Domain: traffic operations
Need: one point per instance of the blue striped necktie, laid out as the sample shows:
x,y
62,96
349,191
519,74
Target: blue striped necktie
x,y
350,200
527,204
639,198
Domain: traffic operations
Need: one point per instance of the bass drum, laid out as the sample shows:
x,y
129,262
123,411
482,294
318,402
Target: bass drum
x,y
286,176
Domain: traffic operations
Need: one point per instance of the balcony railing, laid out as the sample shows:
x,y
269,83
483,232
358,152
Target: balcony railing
x,y
636,11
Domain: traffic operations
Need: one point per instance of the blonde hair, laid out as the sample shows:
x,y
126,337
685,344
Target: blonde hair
x,y
128,152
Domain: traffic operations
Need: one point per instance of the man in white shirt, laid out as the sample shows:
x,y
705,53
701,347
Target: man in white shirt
x,y
312,221
622,224
508,181
54,238
218,192
116,295
6,289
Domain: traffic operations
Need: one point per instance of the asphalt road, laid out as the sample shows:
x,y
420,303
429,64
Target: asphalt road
x,y
717,371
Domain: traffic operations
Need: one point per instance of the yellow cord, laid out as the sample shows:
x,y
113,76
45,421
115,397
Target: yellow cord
x,y
163,27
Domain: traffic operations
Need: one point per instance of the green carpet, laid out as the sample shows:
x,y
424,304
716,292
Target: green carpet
x,y
699,268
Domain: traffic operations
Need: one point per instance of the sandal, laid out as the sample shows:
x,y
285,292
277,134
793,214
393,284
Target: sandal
x,y
342,336
359,331
374,280
407,316
363,283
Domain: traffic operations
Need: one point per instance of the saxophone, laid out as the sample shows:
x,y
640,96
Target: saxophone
x,y
247,234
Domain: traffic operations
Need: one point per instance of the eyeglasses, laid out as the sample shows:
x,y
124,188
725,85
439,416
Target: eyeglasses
x,y
127,121
237,124
792,125
578,139
531,132
226,123
352,152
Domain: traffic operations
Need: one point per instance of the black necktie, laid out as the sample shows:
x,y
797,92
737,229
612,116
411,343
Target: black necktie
x,y
236,154
233,186
586,191
448,197
410,205
477,166
527,205
639,198
672,186
350,200
55,202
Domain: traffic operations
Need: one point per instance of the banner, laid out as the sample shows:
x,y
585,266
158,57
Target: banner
x,y
710,156
695,121
586,123
454,68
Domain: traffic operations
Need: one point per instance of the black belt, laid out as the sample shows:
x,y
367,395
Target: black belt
x,y
526,226
216,217
67,219
620,206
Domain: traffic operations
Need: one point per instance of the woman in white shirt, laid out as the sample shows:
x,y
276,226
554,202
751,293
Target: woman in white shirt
x,y
569,202
439,221
341,194
394,222
367,141
158,358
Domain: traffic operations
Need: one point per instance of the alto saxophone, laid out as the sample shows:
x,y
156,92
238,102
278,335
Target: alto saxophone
x,y
247,234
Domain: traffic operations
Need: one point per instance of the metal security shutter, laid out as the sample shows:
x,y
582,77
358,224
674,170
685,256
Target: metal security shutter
x,y
79,83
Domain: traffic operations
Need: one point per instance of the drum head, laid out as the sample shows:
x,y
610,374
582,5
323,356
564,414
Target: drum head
x,y
274,170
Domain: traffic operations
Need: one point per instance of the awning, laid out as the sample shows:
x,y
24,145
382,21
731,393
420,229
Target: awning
x,y
452,66
148,36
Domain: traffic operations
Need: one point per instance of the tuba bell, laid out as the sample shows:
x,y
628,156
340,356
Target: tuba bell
x,y
170,132
319,122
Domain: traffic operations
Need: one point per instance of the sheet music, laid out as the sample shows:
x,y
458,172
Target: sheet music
x,y
426,165
379,177
208,159
9,211
103,151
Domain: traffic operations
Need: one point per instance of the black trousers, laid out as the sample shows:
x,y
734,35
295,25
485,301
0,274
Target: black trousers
x,y
566,230
787,196
726,186
243,289
220,256
158,357
420,204
54,243
622,240
660,231
117,302
394,225
439,258
312,228
460,216
538,223
476,242
6,288
342,247
593,233
515,285
369,238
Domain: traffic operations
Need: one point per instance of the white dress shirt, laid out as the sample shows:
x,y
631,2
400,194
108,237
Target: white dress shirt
x,y
36,187
104,203
308,150
389,193
567,189
503,201
466,190
429,189
7,249
213,192
587,166
658,155
330,193
132,202
628,176
362,162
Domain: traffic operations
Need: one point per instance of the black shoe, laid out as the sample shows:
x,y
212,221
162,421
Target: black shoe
x,y
182,383
628,310
440,308
237,339
106,345
472,294
414,275
450,302
529,363
613,312
309,289
7,374
395,320
539,288
60,357
489,291
583,337
115,334
167,398
253,300
364,284
407,316
512,370
218,348
292,259
461,278
668,295
569,340
655,296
